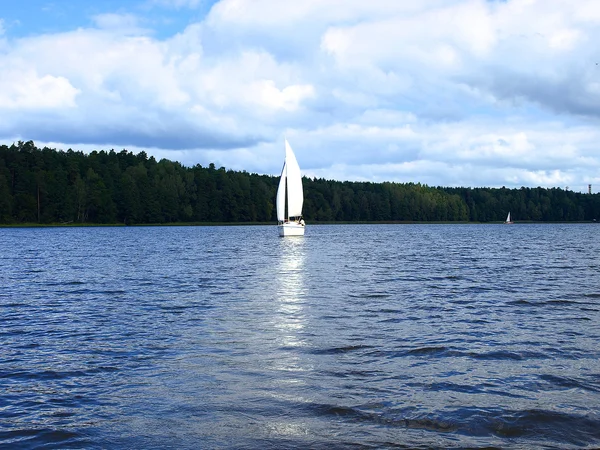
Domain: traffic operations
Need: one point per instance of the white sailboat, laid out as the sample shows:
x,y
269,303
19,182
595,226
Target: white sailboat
x,y
289,193
508,221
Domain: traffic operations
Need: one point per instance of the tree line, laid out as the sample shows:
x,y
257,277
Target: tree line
x,y
51,186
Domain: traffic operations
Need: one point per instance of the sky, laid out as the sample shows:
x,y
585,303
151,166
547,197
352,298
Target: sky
x,y
479,93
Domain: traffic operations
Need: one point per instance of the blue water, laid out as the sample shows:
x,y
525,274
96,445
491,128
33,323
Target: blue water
x,y
355,336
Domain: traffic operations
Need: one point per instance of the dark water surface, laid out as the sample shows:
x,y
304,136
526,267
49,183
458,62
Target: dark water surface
x,y
355,336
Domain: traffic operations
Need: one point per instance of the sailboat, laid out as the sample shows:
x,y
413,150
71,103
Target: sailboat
x,y
289,193
508,221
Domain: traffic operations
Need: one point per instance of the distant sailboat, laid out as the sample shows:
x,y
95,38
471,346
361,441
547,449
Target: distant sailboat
x,y
508,221
289,193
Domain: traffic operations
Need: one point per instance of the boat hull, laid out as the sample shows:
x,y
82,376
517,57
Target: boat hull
x,y
291,229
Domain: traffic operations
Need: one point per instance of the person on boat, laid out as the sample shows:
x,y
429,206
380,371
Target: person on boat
x,y
301,221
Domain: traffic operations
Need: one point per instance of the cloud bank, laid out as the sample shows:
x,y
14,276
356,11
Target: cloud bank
x,y
443,92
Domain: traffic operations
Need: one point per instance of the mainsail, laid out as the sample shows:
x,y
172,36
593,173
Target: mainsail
x,y
295,196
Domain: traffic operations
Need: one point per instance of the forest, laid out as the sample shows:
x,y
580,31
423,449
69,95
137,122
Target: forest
x,y
49,186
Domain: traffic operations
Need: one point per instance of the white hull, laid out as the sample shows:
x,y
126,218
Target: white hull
x,y
291,229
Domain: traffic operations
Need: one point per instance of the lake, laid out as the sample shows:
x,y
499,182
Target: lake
x,y
354,336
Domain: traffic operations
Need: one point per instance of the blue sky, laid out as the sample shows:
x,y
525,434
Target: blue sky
x,y
442,92
163,18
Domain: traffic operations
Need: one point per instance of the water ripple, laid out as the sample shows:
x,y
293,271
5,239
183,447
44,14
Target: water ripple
x,y
359,336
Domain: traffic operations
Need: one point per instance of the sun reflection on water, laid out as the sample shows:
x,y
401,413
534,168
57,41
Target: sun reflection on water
x,y
290,292
289,317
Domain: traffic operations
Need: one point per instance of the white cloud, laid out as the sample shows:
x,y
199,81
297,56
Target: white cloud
x,y
264,93
355,98
437,38
253,83
26,90
564,39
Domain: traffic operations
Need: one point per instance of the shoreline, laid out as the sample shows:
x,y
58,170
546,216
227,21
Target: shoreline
x,y
220,224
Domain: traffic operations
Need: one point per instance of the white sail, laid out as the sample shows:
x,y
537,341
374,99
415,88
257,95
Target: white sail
x,y
280,202
508,217
295,196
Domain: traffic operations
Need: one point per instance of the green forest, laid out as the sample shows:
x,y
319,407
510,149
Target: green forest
x,y
49,186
